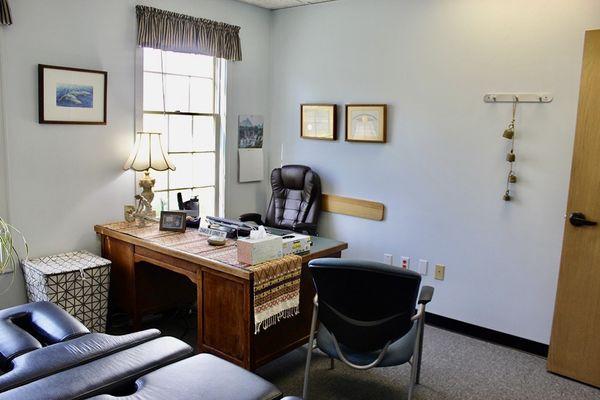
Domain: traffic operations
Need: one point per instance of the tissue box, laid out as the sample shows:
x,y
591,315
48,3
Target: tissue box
x,y
295,243
255,251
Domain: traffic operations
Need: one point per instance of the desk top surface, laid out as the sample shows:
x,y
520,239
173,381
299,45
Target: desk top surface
x,y
190,246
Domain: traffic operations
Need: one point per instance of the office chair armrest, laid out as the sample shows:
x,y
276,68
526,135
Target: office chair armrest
x,y
304,227
252,217
425,295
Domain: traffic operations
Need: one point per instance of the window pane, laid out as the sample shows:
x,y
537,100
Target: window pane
x,y
203,173
151,59
180,133
204,134
188,87
201,95
152,92
188,64
206,200
156,123
161,179
160,202
177,93
182,176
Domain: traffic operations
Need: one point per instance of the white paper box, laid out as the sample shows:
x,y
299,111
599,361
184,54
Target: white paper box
x,y
256,251
296,244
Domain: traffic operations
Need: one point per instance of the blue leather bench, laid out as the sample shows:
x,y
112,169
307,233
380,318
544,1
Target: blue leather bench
x,y
46,354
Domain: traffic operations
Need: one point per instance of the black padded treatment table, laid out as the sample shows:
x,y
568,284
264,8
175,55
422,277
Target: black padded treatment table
x,y
46,354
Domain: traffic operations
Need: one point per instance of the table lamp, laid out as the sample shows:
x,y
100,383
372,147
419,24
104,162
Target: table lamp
x,y
147,153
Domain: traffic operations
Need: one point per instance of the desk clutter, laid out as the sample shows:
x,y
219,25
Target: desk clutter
x,y
276,279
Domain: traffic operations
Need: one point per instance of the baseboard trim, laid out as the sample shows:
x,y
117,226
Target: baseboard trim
x,y
489,335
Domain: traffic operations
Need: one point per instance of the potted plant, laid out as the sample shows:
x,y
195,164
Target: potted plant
x,y
9,256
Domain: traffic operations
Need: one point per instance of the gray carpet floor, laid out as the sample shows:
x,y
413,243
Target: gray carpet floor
x,y
454,367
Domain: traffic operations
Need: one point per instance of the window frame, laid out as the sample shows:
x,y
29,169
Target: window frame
x,y
219,78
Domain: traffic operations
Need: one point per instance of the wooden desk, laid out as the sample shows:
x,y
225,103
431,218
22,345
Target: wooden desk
x,y
142,281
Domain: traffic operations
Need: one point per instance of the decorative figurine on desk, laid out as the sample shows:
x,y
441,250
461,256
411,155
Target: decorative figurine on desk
x,y
142,212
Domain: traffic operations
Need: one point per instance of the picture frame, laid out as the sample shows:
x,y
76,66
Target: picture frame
x,y
173,221
250,131
71,95
366,123
318,121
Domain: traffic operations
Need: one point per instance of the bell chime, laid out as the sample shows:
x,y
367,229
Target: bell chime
x,y
509,134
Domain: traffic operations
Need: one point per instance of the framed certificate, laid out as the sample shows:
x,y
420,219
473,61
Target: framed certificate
x,y
366,123
318,121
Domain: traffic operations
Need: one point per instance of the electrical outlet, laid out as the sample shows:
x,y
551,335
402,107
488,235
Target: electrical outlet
x,y
388,259
423,264
405,262
440,271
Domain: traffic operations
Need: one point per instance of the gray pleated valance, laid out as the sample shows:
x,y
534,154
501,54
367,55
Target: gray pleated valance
x,y
5,18
171,31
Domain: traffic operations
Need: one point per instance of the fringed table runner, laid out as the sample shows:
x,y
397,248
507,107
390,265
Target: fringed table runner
x,y
276,290
276,282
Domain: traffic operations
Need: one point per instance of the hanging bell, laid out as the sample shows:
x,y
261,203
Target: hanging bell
x,y
510,157
506,196
512,178
509,133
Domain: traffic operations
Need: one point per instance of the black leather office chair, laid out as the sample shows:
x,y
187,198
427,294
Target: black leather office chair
x,y
367,315
296,200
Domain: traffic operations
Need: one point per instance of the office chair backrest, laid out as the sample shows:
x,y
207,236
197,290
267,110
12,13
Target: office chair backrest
x,y
364,304
296,197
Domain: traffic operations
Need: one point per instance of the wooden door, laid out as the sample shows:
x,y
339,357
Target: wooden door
x,y
575,342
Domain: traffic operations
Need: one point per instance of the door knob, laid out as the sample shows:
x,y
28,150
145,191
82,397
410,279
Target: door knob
x,y
578,219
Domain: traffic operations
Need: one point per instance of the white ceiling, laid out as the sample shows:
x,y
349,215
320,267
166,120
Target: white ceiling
x,y
276,4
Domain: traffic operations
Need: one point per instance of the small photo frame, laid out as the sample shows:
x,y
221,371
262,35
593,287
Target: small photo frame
x,y
173,221
366,123
71,95
318,121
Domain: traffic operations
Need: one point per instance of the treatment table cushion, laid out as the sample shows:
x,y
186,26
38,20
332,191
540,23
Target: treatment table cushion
x,y
104,374
202,377
57,357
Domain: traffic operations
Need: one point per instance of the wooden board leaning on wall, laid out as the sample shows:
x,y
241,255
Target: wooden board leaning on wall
x,y
354,207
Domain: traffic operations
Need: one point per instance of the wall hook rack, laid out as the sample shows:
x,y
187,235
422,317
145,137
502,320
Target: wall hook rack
x,y
517,98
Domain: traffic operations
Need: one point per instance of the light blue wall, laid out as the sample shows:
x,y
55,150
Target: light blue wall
x,y
64,179
441,176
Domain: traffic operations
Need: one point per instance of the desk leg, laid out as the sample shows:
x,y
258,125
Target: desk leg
x,y
200,314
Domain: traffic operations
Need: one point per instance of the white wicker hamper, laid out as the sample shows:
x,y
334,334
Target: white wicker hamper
x,y
77,281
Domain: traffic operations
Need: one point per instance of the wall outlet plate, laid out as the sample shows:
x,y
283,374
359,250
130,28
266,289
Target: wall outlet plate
x,y
440,271
423,264
405,262
388,259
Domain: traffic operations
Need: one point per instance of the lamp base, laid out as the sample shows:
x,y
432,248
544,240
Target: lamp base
x,y
147,183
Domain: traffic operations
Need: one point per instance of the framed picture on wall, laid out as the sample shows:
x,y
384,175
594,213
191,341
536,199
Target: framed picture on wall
x,y
71,95
366,123
318,121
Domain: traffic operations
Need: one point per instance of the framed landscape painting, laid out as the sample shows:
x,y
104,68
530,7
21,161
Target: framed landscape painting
x,y
71,95
318,121
366,123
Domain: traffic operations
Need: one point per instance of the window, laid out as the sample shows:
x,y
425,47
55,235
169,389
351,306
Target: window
x,y
181,99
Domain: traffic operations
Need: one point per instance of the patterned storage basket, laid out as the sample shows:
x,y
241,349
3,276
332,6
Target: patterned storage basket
x,y
77,281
